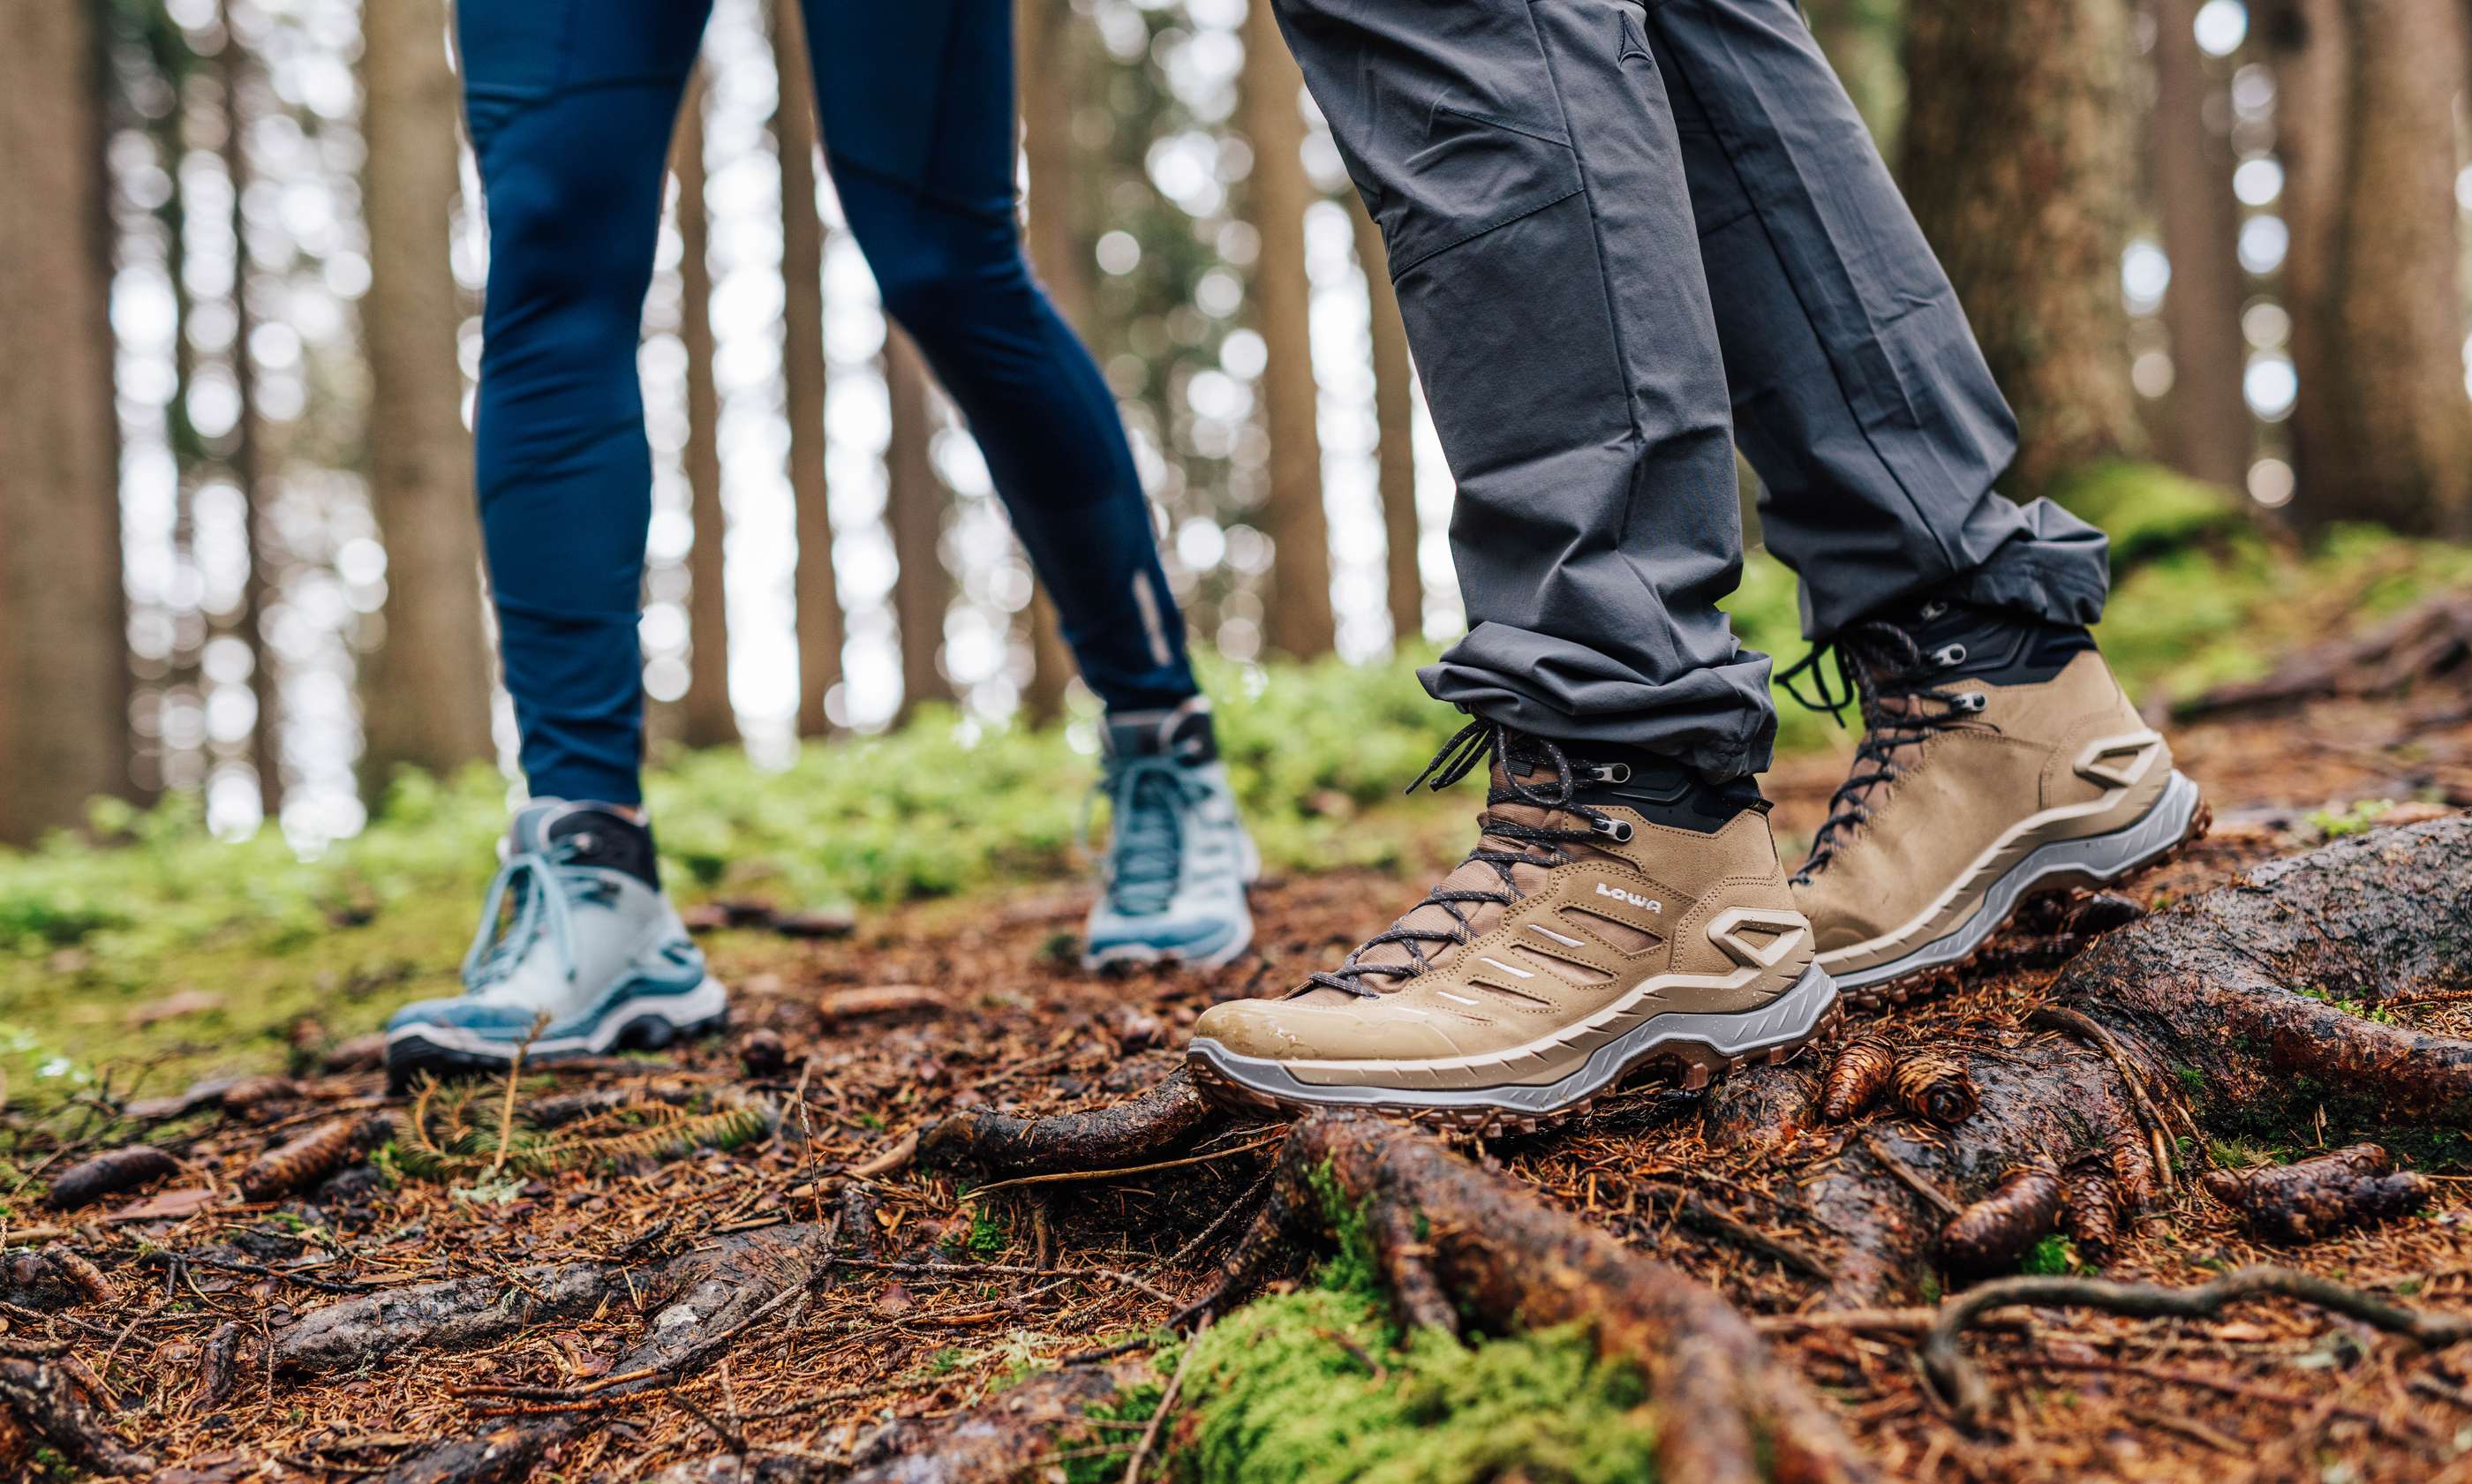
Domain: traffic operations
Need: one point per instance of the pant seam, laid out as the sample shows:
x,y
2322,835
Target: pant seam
x,y
1400,271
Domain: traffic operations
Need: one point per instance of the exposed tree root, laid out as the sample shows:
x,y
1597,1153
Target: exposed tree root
x,y
1154,1124
46,1401
2428,641
1968,1392
1449,1235
2232,1010
463,1313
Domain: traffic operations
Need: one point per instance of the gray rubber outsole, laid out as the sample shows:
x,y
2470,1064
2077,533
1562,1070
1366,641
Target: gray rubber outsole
x,y
648,1024
2091,861
1702,1039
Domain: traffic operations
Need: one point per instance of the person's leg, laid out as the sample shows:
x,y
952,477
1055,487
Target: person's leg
x,y
918,109
1858,391
570,107
919,125
2000,758
1623,905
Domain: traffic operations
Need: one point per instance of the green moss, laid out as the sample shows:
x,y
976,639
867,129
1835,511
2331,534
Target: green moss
x,y
2054,1256
1316,1387
2335,824
2148,510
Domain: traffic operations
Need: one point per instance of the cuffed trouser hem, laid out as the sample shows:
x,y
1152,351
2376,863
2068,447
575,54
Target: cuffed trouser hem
x,y
1716,719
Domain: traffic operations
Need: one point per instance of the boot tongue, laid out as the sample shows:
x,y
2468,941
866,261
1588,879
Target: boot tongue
x,y
1471,875
595,835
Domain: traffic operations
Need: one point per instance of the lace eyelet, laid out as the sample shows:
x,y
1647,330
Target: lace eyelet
x,y
1949,654
1971,702
1609,772
1933,609
1618,830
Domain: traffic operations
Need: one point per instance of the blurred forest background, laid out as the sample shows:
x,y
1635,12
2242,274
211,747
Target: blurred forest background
x,y
2213,250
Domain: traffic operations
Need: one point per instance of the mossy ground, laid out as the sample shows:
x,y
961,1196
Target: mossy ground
x,y
171,953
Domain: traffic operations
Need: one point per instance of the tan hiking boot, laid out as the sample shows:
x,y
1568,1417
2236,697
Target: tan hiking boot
x,y
1616,912
2000,761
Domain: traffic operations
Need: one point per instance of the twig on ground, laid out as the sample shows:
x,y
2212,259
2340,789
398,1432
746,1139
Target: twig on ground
x,y
1065,1176
1969,1393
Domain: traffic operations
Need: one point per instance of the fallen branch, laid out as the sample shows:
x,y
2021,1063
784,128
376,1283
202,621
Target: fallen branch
x,y
1157,1123
1962,1385
49,1403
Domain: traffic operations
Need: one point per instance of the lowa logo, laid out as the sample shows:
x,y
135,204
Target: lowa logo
x,y
1644,904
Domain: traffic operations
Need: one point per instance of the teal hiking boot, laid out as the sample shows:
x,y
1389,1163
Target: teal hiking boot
x,y
1178,860
589,949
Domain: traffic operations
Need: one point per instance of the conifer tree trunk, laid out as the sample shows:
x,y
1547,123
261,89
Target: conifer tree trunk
x,y
922,589
1297,618
705,720
2018,163
1051,54
64,674
425,690
2209,432
1859,39
2382,430
822,630
1395,419
248,458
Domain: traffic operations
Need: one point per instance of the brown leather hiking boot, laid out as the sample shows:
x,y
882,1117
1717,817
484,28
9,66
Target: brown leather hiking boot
x,y
1616,912
1999,760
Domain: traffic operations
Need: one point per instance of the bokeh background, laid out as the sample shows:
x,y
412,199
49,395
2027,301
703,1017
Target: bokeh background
x,y
2214,249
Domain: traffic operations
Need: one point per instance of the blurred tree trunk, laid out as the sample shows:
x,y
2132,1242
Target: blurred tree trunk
x,y
1394,421
1050,53
914,500
248,460
2018,161
425,692
1296,612
2208,433
705,720
2382,430
64,674
821,629
1860,37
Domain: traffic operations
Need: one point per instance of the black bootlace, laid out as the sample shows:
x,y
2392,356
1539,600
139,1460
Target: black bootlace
x,y
1483,741
1877,661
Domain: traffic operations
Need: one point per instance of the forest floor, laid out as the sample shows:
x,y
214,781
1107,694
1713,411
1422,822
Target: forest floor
x,y
941,1292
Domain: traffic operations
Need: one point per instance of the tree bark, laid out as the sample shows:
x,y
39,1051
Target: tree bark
x,y
1052,52
2382,430
64,674
705,720
247,459
821,631
1394,421
425,692
2018,160
2209,432
914,501
1296,611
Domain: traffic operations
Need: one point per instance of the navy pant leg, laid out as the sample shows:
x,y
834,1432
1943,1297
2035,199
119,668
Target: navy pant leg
x,y
920,133
1858,394
570,105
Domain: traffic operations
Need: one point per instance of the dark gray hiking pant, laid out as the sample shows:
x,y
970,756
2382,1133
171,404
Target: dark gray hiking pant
x,y
1602,217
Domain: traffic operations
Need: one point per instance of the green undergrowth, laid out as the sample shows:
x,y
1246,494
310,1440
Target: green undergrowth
x,y
165,952
1318,1386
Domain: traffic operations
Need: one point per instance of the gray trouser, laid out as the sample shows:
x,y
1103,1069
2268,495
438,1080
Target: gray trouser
x,y
1601,217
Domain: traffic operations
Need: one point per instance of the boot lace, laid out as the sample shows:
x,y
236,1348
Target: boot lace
x,y
1880,666
541,890
1146,800
1482,742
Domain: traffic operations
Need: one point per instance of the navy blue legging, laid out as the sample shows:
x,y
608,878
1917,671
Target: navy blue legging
x,y
571,105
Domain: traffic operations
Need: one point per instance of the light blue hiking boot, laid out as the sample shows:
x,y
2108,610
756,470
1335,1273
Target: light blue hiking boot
x,y
1178,860
589,947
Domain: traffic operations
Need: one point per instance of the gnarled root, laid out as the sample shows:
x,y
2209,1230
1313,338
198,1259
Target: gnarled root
x,y
1967,1391
1516,1263
47,1401
1150,1126
461,1313
2223,1008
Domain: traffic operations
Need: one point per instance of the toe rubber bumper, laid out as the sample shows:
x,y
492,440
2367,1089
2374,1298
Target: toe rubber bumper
x,y
1698,1045
641,1022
